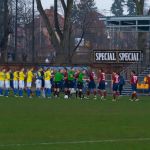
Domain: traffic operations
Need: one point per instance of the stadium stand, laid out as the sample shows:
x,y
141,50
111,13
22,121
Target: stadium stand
x,y
142,88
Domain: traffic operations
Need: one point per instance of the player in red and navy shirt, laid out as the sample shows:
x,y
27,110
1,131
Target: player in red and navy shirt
x,y
101,87
91,84
133,82
66,84
115,84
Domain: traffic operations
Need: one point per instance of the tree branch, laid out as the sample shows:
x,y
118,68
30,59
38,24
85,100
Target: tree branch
x,y
82,35
57,26
149,12
139,6
81,38
68,13
64,6
135,1
54,39
67,26
6,24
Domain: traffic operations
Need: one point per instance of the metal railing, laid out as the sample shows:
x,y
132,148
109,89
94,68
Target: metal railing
x,y
137,67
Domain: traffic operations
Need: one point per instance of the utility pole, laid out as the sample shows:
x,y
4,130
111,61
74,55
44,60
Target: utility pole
x,y
33,38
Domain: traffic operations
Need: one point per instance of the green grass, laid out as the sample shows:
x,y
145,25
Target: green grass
x,y
31,122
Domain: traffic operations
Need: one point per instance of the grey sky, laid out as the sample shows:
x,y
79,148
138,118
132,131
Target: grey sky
x,y
103,5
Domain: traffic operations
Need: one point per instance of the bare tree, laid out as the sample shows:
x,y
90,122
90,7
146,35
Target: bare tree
x,y
62,38
6,28
24,20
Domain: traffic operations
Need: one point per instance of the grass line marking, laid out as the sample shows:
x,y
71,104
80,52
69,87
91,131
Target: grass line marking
x,y
78,142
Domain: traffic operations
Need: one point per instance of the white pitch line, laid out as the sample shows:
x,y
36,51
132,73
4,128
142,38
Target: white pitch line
x,y
79,142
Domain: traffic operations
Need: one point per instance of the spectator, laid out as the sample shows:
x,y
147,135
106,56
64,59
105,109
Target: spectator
x,y
121,84
147,81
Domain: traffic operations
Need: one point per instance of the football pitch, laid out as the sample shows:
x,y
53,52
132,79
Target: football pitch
x,y
58,124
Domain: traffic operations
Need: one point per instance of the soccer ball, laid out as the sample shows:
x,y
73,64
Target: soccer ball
x,y
66,97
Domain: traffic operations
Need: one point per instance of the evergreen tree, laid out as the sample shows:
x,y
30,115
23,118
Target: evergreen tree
x,y
88,5
117,7
82,10
85,16
131,8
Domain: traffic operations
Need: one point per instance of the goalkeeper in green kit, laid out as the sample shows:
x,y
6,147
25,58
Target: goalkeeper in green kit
x,y
71,79
80,78
58,77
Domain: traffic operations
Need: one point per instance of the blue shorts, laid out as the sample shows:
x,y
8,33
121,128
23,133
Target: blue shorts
x,y
91,85
101,85
43,83
80,85
71,84
66,84
57,84
115,86
133,86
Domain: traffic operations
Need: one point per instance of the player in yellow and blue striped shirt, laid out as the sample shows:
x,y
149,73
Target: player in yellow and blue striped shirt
x,y
47,77
21,82
29,81
2,79
7,82
15,82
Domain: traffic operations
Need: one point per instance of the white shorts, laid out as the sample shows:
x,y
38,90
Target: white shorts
x,y
48,84
21,84
15,84
1,84
29,84
7,84
38,84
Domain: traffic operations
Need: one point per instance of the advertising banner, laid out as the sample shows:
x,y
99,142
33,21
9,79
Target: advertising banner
x,y
117,56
